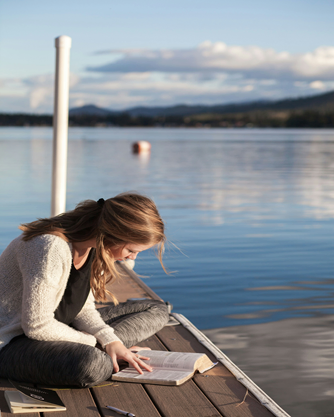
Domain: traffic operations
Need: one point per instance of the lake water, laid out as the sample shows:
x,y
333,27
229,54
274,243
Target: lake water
x,y
249,213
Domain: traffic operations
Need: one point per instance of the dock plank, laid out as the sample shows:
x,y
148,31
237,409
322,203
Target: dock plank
x,y
218,384
78,402
186,400
124,288
130,397
137,282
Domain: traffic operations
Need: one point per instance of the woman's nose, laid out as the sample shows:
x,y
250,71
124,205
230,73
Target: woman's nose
x,y
132,256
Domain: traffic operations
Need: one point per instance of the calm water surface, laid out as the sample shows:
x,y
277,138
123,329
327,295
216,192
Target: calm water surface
x,y
251,212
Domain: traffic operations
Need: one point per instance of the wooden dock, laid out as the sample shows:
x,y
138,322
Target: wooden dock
x,y
222,391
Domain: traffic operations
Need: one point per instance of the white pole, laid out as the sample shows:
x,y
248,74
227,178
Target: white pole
x,y
60,125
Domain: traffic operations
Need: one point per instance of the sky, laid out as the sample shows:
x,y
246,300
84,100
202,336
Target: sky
x,y
128,53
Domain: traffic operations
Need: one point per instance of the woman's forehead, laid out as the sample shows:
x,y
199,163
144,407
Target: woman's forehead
x,y
137,248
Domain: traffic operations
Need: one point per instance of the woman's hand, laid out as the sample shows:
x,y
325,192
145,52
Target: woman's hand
x,y
116,350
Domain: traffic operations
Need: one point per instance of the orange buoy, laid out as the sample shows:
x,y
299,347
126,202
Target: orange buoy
x,y
141,146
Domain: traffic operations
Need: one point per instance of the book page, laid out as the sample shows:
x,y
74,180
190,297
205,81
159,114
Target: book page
x,y
156,374
170,360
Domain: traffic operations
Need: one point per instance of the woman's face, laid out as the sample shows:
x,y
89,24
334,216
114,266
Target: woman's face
x,y
129,251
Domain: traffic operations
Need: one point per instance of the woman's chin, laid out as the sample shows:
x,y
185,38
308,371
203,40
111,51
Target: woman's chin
x,y
129,263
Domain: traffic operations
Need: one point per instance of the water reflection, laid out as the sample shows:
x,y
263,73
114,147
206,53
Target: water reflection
x,y
292,360
143,158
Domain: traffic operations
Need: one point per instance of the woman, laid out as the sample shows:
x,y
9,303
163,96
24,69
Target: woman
x,y
49,278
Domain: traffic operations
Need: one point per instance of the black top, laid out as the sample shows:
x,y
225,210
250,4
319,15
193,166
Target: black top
x,y
76,292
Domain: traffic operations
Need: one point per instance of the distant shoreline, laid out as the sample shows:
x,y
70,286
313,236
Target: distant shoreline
x,y
251,119
304,112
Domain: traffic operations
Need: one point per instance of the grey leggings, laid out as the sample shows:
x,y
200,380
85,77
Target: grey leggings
x,y
63,363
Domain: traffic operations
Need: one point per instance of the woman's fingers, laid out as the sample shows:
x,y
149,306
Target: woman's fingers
x,y
137,367
117,351
115,363
143,357
138,364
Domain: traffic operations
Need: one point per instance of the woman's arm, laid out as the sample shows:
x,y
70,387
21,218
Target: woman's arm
x,y
45,264
89,320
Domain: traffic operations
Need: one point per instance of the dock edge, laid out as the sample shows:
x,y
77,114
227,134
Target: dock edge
x,y
263,398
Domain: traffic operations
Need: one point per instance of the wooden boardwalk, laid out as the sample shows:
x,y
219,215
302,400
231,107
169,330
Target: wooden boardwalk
x,y
212,394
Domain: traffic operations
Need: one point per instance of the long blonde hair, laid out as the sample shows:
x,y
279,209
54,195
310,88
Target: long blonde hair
x,y
128,218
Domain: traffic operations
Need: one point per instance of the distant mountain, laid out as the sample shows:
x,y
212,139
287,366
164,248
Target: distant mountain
x,y
310,102
90,109
323,101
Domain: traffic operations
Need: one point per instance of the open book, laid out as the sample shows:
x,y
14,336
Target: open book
x,y
31,399
169,368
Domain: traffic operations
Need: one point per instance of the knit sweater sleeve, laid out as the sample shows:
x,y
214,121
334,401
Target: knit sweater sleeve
x,y
45,264
89,320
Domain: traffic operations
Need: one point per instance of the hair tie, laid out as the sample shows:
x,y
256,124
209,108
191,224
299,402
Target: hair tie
x,y
101,202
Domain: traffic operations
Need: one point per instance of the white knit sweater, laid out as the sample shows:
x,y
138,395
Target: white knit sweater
x,y
33,278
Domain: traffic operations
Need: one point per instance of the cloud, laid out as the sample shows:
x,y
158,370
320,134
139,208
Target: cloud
x,y
251,61
38,91
124,90
318,85
209,74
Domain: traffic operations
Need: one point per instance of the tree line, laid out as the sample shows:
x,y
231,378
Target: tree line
x,y
257,119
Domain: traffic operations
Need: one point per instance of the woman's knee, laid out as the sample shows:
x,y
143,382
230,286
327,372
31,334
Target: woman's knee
x,y
112,315
161,311
54,363
94,367
156,313
81,365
